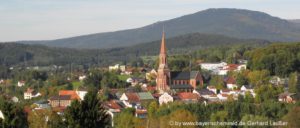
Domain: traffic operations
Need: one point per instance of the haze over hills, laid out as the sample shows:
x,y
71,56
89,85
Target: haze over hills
x,y
16,54
230,22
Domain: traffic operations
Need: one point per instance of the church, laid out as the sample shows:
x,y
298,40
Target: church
x,y
168,80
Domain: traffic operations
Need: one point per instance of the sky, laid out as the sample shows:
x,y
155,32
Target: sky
x,y
54,19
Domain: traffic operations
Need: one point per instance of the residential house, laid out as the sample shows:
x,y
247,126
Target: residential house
x,y
231,83
151,75
212,88
21,83
72,93
287,97
42,104
114,107
2,115
205,93
31,93
225,91
1,81
223,97
81,92
117,67
188,97
130,99
141,113
165,98
60,101
247,88
133,99
212,66
82,77
15,99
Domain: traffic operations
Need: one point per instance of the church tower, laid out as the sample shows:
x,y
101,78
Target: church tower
x,y
163,72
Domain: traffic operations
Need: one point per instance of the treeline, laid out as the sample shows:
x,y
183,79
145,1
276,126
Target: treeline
x,y
38,55
232,111
278,59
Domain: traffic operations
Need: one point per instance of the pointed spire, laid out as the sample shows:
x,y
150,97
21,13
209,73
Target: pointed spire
x,y
163,45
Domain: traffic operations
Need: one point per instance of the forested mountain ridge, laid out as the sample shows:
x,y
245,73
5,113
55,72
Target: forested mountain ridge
x,y
12,53
230,22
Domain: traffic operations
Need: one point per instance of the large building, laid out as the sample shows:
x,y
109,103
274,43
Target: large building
x,y
174,81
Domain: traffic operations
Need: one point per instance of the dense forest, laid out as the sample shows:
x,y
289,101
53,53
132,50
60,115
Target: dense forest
x,y
279,59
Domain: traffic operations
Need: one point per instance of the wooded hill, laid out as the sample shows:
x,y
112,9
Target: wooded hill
x,y
14,54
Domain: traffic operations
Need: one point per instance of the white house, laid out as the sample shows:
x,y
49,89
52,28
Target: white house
x,y
247,88
81,78
21,83
231,83
1,115
81,93
205,93
165,98
241,67
212,88
122,68
1,81
130,99
212,66
31,93
223,97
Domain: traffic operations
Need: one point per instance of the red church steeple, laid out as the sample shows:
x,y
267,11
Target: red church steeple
x,y
163,73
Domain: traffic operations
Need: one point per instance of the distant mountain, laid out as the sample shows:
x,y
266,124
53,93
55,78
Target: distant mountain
x,y
295,20
230,22
16,54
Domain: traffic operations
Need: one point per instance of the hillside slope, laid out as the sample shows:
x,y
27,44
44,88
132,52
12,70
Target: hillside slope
x,y
14,54
230,22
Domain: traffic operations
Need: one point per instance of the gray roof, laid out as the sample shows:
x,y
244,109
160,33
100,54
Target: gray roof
x,y
61,97
204,92
145,96
181,86
183,75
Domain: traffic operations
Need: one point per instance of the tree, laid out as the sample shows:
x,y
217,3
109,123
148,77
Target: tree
x,y
254,118
126,119
217,81
180,115
293,80
259,77
293,118
14,116
90,113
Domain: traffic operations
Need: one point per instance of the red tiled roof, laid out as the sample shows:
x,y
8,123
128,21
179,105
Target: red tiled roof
x,y
141,111
231,67
29,90
132,97
113,104
72,93
224,95
187,95
230,80
225,90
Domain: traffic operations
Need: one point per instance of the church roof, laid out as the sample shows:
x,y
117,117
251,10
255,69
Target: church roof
x,y
181,86
183,75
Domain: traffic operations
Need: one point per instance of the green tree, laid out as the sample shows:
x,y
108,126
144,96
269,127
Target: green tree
x,y
293,118
90,113
14,116
293,81
259,77
254,118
